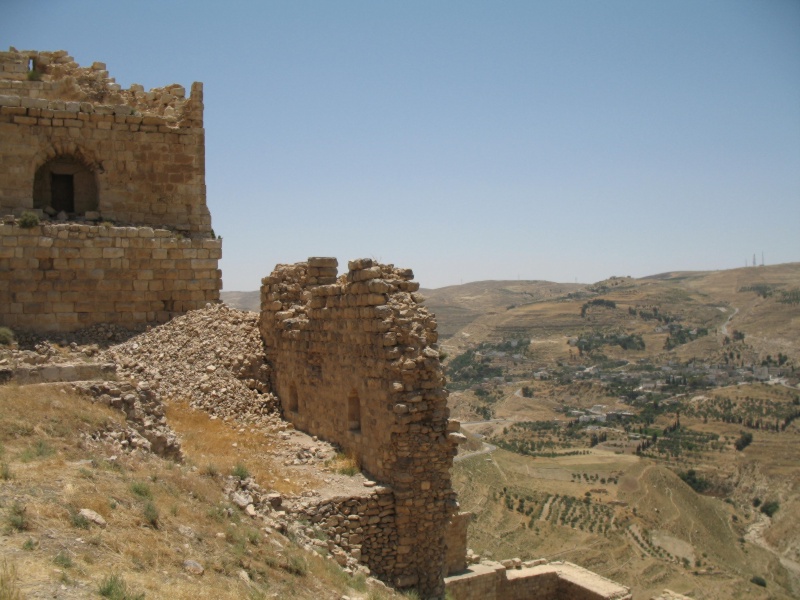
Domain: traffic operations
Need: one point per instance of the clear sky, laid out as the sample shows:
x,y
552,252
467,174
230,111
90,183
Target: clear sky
x,y
535,139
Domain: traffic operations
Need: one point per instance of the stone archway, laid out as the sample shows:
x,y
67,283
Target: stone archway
x,y
66,184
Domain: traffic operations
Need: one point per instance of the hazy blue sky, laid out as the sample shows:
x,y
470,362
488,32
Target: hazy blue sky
x,y
471,140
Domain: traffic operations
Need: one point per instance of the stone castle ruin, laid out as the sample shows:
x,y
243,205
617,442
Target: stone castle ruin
x,y
354,361
104,220
116,181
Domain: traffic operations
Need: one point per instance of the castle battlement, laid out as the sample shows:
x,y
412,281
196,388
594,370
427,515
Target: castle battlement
x,y
73,143
117,179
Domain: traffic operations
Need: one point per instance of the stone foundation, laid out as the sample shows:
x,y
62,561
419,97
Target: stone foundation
x,y
69,276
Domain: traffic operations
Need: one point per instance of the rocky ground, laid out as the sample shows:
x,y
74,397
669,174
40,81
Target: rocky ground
x,y
211,359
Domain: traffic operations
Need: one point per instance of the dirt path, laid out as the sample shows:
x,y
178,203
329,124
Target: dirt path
x,y
546,509
486,449
724,329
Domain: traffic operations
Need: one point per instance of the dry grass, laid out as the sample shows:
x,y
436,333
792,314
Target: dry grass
x,y
217,447
658,503
9,589
344,464
148,504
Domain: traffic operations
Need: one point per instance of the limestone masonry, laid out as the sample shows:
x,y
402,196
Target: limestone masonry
x,y
354,360
103,220
121,176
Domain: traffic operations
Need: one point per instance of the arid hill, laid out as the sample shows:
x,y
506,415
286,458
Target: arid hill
x,y
646,429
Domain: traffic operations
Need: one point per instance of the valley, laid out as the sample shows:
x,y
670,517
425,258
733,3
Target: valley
x,y
645,429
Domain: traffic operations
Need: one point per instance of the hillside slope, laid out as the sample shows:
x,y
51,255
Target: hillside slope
x,y
755,301
643,526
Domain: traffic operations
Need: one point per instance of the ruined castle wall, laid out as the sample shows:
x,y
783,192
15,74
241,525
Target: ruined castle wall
x,y
140,155
542,580
355,361
364,528
456,543
62,277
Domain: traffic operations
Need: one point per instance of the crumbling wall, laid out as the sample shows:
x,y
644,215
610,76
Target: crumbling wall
x,y
354,360
535,579
456,543
363,527
132,157
63,277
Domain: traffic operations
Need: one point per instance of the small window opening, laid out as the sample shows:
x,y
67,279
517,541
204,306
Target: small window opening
x,y
31,65
62,189
354,412
293,403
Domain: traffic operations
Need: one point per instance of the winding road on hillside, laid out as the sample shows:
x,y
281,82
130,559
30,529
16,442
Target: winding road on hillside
x,y
724,329
487,448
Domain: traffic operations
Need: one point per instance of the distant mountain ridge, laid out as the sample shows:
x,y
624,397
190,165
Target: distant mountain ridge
x,y
242,300
471,312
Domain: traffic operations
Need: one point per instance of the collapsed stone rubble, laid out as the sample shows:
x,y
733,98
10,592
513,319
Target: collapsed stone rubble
x,y
146,426
213,358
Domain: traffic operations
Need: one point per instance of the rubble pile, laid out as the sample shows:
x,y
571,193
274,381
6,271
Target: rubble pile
x,y
96,336
146,426
212,357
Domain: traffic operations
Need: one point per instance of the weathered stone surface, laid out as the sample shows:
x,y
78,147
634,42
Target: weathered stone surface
x,y
93,517
492,581
356,362
193,567
123,161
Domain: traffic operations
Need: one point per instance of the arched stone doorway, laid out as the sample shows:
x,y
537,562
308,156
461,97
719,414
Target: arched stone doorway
x,y
65,184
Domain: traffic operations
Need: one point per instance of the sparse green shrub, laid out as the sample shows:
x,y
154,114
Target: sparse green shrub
x,y
770,508
114,587
240,471
17,519
296,565
5,471
151,514
78,520
253,536
28,220
6,336
696,482
63,560
141,489
211,470
344,464
758,580
86,473
34,75
745,439
29,544
41,449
